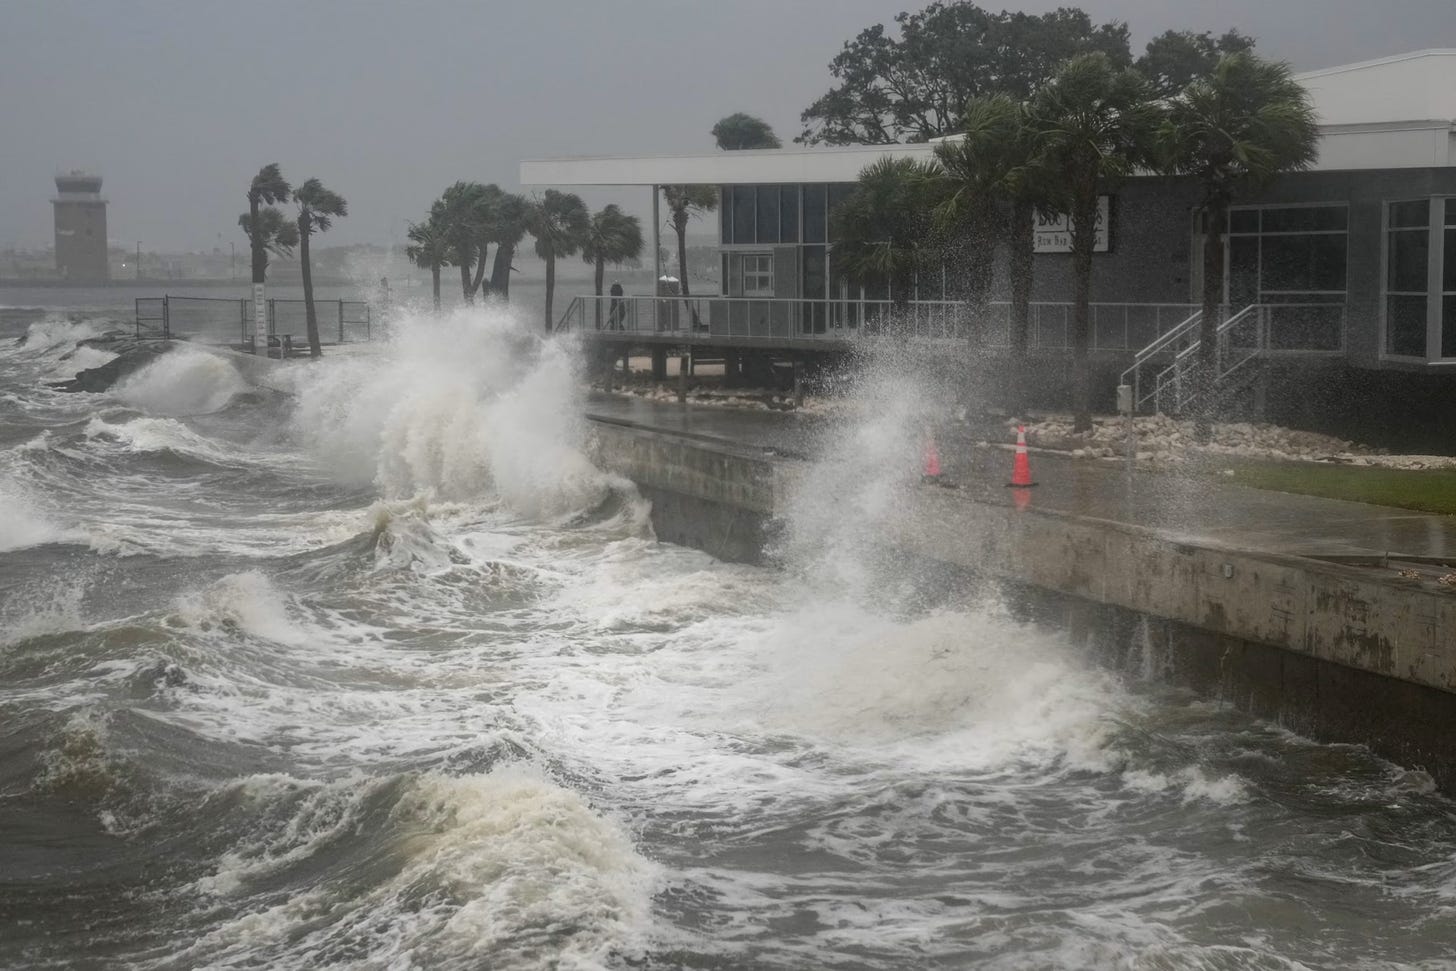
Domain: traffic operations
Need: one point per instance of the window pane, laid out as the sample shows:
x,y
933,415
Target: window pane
x,y
815,210
1405,325
1451,212
1448,273
1448,326
1305,328
725,214
1408,254
725,274
1297,218
1244,270
1410,214
813,272
768,214
1243,221
1304,262
789,214
743,220
838,192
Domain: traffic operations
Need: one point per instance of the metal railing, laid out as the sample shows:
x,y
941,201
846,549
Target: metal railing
x,y
218,320
1242,339
1113,326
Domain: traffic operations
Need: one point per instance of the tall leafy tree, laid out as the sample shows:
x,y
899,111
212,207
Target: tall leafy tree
x,y
318,207
1176,57
269,188
883,227
1234,130
1096,123
430,249
613,237
560,223
913,86
740,131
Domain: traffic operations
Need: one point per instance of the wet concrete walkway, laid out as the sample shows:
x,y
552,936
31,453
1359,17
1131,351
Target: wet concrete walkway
x,y
1192,508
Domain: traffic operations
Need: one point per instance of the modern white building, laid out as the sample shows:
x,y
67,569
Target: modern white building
x,y
1352,262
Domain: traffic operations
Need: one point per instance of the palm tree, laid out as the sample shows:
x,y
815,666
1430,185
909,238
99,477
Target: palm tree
x,y
684,202
1234,131
507,228
740,131
430,249
268,232
883,226
318,207
1095,122
613,237
560,223
978,170
463,210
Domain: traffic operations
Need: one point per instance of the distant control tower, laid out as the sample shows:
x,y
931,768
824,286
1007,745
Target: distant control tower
x,y
80,228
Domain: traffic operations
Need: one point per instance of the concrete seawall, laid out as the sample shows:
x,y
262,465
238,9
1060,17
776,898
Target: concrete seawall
x,y
1329,650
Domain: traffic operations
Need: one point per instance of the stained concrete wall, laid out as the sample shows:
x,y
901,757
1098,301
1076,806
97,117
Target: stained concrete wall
x,y
1331,650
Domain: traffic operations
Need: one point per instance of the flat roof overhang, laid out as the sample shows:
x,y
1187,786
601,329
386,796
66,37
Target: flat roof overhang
x,y
768,166
1425,143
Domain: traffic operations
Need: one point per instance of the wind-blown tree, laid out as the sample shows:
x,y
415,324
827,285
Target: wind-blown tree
x,y
318,207
560,223
508,217
463,211
977,172
267,229
740,131
430,249
1096,123
613,237
883,228
1234,131
1176,57
913,86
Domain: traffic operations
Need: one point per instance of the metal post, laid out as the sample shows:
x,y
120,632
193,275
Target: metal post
x,y
656,239
260,320
166,318
341,321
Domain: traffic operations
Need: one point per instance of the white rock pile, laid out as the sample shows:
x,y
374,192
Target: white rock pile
x,y
1165,440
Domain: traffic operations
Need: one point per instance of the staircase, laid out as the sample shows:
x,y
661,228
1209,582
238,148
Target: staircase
x,y
1164,375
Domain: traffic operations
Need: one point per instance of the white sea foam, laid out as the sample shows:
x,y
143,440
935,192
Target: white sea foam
x,y
22,523
458,406
504,867
246,603
186,381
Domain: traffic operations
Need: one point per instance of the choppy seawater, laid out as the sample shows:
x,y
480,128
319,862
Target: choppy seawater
x,y
371,668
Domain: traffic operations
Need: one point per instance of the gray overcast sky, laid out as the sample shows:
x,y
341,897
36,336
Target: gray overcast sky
x,y
389,102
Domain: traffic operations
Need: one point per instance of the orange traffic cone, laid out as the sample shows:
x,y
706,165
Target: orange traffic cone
x,y
932,461
1021,469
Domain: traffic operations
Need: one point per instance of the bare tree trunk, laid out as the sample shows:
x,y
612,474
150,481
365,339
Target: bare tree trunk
x,y
550,286
680,224
465,291
479,273
500,271
1215,215
1084,238
600,277
435,279
314,348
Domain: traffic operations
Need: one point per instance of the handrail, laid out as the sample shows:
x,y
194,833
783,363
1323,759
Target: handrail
x,y
1175,377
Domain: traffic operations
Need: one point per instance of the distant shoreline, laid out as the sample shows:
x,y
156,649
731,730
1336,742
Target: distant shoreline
x,y
155,282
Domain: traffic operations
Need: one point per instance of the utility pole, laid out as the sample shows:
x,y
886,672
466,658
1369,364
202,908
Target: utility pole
x,y
232,262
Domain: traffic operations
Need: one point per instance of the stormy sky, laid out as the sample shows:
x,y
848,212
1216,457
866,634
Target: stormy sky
x,y
177,103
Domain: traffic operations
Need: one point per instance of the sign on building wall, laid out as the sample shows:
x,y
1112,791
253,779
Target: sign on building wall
x,y
1053,230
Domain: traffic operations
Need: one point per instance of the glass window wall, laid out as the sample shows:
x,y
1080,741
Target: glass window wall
x,y
1407,276
1293,260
